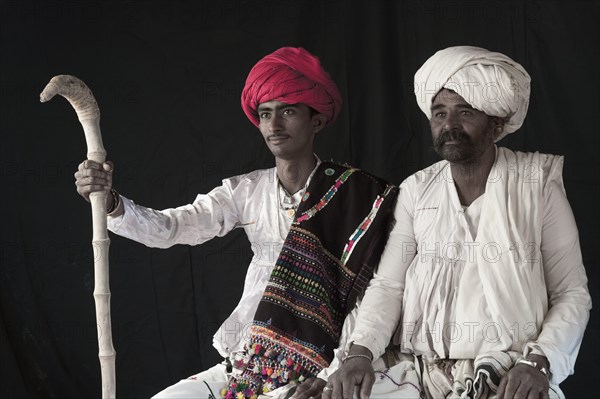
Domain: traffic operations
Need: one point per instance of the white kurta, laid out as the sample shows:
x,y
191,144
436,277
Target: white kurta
x,y
247,201
508,276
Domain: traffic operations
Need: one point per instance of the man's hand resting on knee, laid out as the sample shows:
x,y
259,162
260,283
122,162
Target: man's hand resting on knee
x,y
356,370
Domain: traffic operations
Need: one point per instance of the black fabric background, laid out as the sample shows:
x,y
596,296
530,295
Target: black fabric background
x,y
167,76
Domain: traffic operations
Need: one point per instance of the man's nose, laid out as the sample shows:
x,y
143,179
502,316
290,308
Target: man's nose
x,y
452,122
275,123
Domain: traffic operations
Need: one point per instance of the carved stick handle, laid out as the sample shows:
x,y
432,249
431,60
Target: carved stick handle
x,y
82,99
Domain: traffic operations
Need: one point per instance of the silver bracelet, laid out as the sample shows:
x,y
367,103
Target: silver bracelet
x,y
116,202
533,364
357,355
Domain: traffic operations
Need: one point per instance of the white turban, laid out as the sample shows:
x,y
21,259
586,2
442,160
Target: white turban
x,y
490,82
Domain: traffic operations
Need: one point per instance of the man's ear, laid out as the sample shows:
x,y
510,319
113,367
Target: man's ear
x,y
318,122
497,124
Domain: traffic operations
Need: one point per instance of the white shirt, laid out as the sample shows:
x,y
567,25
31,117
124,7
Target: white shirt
x,y
431,277
246,201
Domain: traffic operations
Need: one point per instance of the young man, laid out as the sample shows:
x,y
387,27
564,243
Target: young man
x,y
482,272
290,98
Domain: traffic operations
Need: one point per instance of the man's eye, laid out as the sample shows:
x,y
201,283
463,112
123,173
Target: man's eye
x,y
440,114
288,111
466,113
263,115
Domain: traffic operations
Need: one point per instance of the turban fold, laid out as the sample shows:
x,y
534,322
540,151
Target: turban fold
x,y
490,82
291,75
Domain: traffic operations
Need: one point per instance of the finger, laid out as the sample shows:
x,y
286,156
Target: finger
x,y
88,181
108,166
348,389
337,392
81,180
536,391
84,194
93,177
89,164
502,387
522,392
511,389
300,390
302,387
95,173
327,392
315,388
367,386
311,392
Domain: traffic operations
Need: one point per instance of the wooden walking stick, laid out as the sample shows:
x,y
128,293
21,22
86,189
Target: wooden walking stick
x,y
82,99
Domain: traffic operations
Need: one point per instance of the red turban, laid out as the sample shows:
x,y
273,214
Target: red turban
x,y
291,75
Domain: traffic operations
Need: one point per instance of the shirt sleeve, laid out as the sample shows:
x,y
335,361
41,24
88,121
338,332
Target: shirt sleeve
x,y
210,215
374,327
569,301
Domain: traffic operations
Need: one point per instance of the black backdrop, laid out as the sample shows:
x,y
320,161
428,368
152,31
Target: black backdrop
x,y
167,76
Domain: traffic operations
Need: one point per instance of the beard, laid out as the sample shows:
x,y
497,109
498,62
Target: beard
x,y
465,152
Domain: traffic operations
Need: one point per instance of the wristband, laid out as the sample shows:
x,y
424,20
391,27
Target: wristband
x,y
116,202
533,364
357,355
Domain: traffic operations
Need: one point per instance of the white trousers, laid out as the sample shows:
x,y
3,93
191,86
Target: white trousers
x,y
208,385
199,386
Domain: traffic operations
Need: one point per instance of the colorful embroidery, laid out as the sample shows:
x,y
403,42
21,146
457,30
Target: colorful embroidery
x,y
275,359
299,319
308,281
326,198
360,231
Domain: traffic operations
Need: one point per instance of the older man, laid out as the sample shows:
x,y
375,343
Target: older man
x,y
482,272
316,229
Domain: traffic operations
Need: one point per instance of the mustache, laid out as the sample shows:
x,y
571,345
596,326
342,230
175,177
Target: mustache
x,y
449,135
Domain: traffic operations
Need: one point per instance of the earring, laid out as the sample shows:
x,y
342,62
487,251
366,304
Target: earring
x,y
499,130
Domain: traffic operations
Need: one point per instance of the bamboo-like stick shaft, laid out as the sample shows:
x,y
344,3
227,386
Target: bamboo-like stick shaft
x,y
82,99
